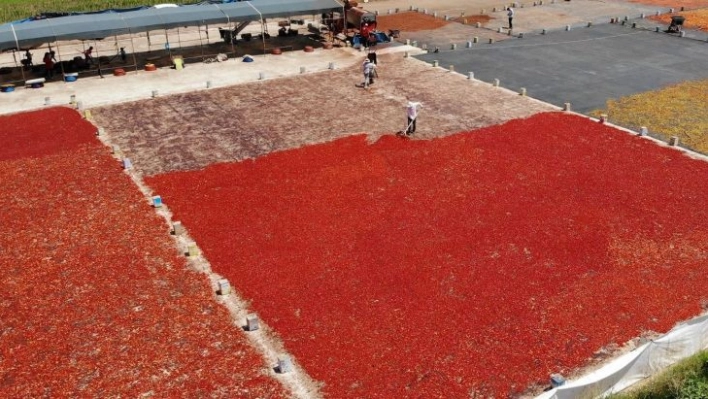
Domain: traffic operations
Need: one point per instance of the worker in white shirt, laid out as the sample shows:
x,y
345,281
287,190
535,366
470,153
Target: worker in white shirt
x,y
369,69
412,113
510,14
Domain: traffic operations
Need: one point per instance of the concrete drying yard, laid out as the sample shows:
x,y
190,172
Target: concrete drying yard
x,y
585,66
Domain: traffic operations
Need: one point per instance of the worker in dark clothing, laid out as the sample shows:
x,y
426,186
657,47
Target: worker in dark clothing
x,y
371,39
372,56
87,56
28,59
48,65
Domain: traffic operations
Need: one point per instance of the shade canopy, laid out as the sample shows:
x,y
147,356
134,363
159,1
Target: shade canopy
x,y
32,33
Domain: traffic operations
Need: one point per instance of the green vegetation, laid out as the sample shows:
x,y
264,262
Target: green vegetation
x,y
13,10
687,379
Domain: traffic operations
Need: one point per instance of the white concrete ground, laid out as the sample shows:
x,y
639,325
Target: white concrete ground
x,y
95,91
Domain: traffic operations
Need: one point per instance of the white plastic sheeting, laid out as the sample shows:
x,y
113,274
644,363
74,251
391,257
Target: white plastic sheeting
x,y
682,341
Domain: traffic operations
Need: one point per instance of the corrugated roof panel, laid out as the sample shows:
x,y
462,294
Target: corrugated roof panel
x,y
278,8
101,25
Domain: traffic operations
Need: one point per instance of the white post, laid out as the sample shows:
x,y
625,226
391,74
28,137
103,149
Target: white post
x,y
177,228
252,323
192,249
284,365
224,287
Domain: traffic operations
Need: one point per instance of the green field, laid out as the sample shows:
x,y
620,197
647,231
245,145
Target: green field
x,y
13,10
688,379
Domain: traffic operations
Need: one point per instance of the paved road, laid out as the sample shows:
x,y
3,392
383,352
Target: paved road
x,y
583,66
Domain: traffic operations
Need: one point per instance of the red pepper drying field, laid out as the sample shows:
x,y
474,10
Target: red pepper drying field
x,y
95,301
476,263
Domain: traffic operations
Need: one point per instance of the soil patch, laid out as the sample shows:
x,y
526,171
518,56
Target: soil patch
x,y
473,19
673,3
409,21
697,20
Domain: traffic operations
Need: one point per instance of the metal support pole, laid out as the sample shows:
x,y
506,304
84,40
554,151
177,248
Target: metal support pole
x,y
98,59
132,48
262,29
61,64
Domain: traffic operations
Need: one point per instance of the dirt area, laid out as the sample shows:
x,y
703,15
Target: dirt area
x,y
677,4
696,20
409,22
473,19
430,31
413,21
529,17
191,131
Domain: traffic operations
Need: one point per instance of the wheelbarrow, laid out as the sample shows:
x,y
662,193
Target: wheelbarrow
x,y
676,24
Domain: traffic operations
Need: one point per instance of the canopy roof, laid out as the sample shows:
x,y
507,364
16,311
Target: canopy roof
x,y
25,34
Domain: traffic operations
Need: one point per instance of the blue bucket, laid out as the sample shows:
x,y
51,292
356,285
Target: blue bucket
x,y
7,89
382,37
70,78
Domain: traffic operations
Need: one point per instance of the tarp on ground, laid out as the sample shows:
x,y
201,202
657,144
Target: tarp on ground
x,y
684,340
100,25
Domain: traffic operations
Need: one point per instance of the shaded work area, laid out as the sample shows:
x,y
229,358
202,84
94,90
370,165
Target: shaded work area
x,y
584,66
100,43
